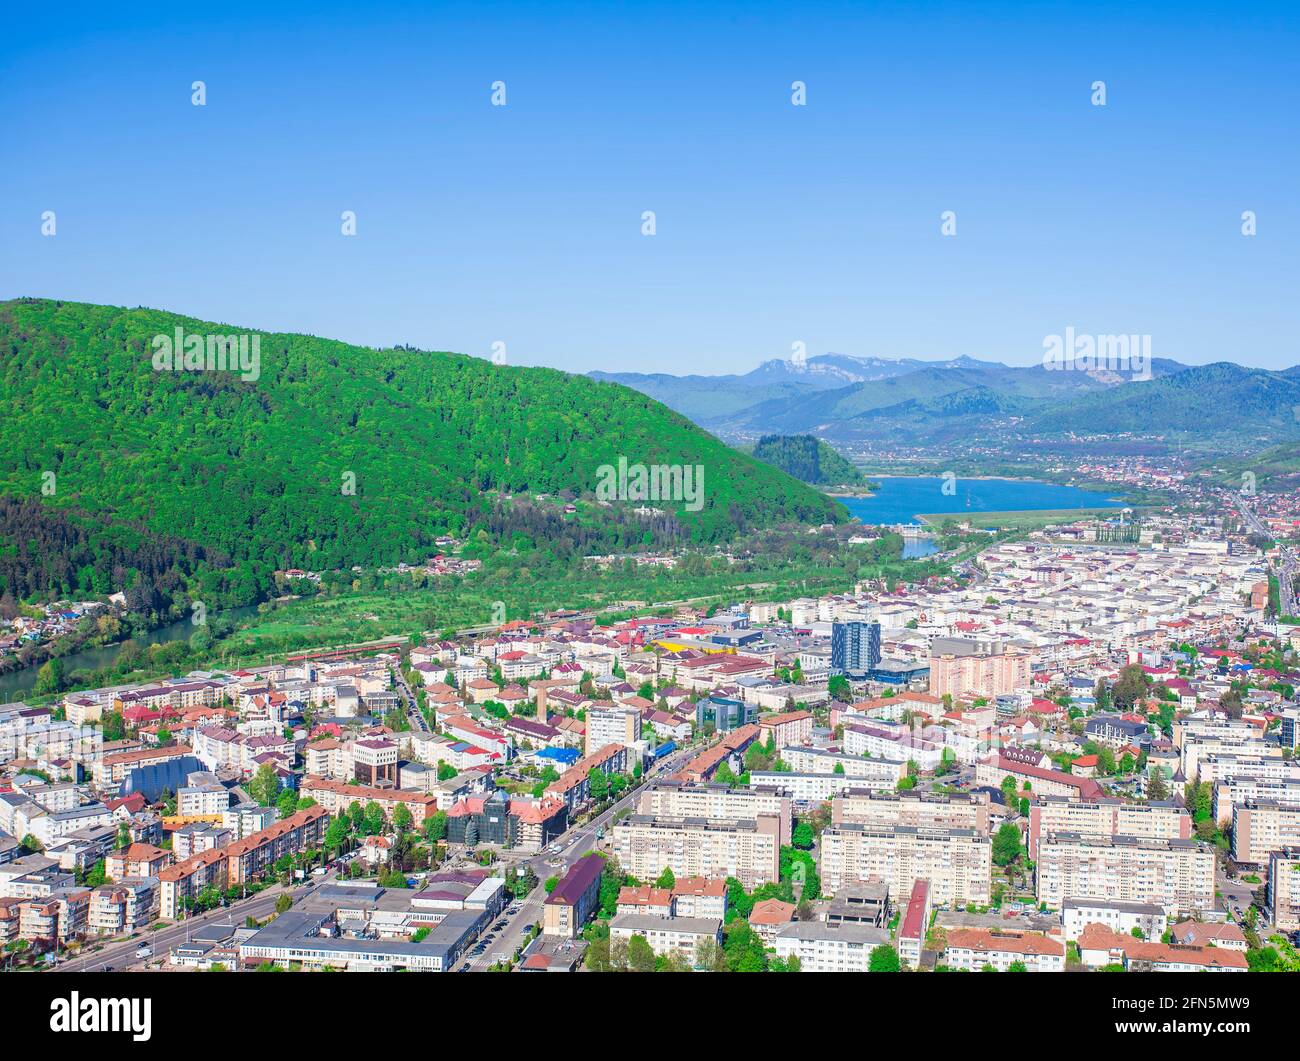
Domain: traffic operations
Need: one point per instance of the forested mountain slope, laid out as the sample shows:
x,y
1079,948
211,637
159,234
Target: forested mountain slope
x,y
250,476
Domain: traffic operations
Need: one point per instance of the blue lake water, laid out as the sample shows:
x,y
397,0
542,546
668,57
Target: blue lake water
x,y
900,498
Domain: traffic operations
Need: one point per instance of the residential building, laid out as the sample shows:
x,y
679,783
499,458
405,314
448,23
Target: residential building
x,y
1176,874
574,899
956,862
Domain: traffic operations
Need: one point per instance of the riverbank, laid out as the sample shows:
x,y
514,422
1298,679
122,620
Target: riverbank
x,y
1012,519
17,682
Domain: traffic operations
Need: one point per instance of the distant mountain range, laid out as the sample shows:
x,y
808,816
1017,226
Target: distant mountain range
x,y
843,398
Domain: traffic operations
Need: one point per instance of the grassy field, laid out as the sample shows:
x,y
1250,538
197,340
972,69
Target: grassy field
x,y
314,622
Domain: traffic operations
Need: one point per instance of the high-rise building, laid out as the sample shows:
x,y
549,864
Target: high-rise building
x,y
855,648
1177,874
611,724
985,668
1291,728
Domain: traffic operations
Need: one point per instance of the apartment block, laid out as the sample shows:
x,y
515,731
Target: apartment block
x,y
611,725
700,847
980,668
872,772
1105,817
928,809
957,862
1232,792
1226,767
335,796
822,947
667,934
785,729
1284,888
124,906
806,789
1260,827
1177,874
683,799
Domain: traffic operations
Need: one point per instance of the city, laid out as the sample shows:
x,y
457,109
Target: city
x,y
1082,755
625,490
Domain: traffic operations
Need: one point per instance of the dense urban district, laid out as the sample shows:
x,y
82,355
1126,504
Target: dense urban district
x,y
1069,746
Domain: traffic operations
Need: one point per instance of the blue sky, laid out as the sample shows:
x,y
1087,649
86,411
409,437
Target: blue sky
x,y
775,223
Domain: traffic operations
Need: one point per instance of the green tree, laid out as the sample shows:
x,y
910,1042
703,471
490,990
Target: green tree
x,y
884,959
336,833
49,679
265,785
435,827
1006,844
640,955
286,803
1157,790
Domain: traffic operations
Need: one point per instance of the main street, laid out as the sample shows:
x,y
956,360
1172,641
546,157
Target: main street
x,y
1286,568
121,956
573,845
418,722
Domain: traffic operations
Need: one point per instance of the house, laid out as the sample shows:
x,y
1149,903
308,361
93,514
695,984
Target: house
x,y
374,850
1204,934
1100,946
138,860
1084,766
972,949
768,916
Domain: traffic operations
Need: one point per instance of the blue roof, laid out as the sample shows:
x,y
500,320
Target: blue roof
x,y
563,755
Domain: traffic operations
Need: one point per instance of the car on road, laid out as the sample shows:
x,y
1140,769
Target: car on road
x,y
144,951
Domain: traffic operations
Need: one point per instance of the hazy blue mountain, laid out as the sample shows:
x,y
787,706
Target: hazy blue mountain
x,y
842,397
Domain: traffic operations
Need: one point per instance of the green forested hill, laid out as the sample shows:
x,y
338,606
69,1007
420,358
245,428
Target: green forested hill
x,y
219,474
808,458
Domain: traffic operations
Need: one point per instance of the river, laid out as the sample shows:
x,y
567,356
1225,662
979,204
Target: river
x,y
17,684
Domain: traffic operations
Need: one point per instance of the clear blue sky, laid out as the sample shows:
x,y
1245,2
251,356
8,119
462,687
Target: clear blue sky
x,y
775,223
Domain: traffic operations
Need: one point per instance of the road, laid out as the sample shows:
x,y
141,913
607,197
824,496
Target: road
x,y
573,845
1286,568
1237,895
412,705
119,956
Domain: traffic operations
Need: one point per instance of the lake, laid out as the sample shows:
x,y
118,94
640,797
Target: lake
x,y
902,497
